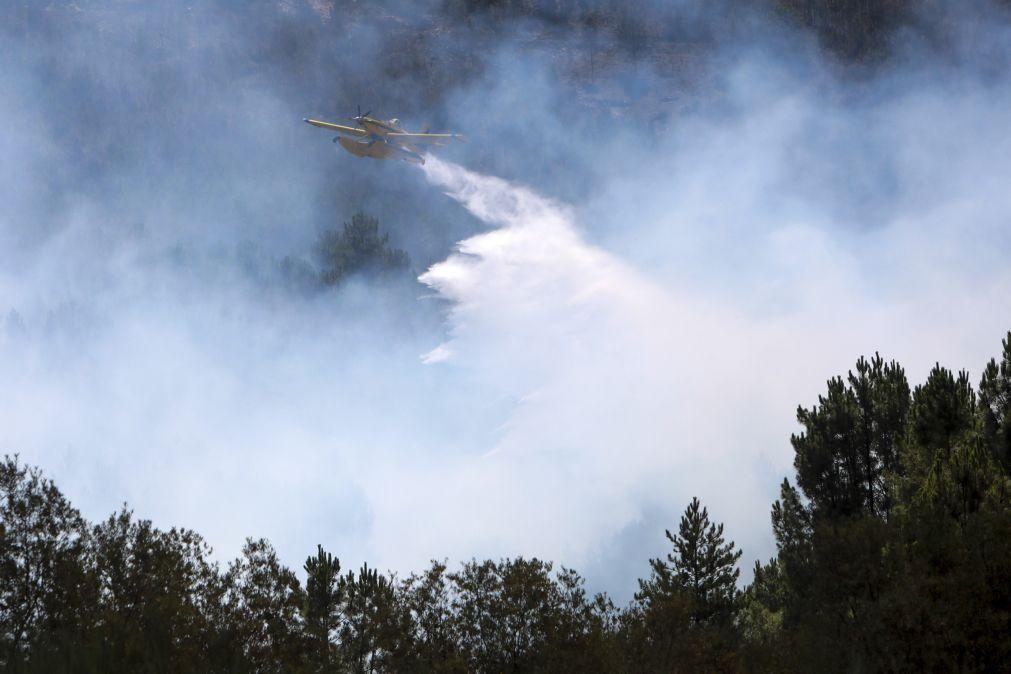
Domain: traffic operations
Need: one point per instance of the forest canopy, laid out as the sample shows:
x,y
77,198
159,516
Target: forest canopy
x,y
893,553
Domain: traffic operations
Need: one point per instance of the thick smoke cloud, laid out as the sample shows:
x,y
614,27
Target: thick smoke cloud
x,y
661,253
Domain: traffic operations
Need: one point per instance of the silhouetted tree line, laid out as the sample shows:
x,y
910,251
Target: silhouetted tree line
x,y
856,30
358,248
893,554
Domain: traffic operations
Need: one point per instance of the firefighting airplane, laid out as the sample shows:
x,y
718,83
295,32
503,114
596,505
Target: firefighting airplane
x,y
383,139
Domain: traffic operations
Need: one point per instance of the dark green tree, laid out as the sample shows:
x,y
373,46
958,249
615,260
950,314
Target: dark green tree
x,y
830,544
489,631
689,604
905,571
374,630
429,604
995,405
513,616
264,601
583,636
949,465
322,607
794,533
943,411
45,589
702,565
358,248
851,441
157,596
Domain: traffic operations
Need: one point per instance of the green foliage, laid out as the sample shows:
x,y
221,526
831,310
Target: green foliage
x,y
357,249
702,566
689,604
373,628
323,596
762,606
943,410
995,405
42,546
512,616
263,610
155,589
427,602
894,554
851,440
916,578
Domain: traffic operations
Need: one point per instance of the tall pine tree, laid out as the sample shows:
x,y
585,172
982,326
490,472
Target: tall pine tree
x,y
322,602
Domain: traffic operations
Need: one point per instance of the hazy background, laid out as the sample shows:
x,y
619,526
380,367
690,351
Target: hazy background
x,y
655,245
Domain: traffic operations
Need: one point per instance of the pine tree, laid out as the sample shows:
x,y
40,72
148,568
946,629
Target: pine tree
x,y
943,411
995,406
704,565
357,248
428,602
685,613
373,626
851,440
263,600
322,601
792,528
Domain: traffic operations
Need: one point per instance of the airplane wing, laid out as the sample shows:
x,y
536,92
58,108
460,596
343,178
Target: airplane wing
x,y
421,138
339,128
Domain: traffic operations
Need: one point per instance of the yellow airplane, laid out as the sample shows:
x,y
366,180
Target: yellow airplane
x,y
381,139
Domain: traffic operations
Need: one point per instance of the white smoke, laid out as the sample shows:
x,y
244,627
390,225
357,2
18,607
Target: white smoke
x,y
630,396
613,416
601,363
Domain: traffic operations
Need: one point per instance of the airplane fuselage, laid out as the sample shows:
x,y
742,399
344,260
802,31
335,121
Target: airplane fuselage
x,y
379,127
377,145
383,139
379,148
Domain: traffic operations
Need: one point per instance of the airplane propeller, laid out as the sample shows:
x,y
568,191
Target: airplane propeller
x,y
360,115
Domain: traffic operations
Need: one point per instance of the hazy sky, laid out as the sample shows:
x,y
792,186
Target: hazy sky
x,y
625,321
